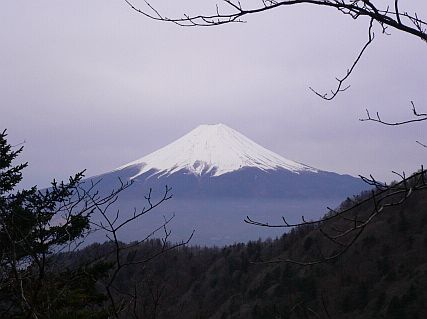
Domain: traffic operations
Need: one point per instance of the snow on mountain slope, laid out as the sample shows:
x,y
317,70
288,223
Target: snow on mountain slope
x,y
214,149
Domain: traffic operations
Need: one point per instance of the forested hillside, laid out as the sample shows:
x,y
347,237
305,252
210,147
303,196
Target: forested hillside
x,y
383,274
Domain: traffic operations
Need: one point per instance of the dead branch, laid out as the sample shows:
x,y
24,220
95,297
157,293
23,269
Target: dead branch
x,y
352,226
418,117
232,11
119,300
342,80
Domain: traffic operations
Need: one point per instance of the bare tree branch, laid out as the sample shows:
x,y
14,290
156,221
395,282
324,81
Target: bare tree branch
x,y
408,23
418,117
234,12
382,197
341,81
422,144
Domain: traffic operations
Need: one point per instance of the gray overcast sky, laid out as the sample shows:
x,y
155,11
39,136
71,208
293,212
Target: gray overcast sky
x,y
92,84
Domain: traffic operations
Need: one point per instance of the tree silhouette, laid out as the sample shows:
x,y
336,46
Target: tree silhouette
x,y
38,226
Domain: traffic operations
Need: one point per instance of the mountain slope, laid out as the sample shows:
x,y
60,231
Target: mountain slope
x,y
218,177
215,161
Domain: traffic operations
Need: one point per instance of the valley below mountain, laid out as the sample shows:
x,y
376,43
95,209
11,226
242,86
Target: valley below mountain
x,y
383,274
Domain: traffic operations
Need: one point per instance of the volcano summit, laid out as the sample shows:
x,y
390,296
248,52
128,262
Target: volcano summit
x,y
214,150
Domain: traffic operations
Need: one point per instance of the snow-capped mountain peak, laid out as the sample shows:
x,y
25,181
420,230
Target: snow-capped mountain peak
x,y
214,149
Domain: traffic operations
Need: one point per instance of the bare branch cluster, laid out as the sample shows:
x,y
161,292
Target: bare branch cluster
x,y
340,86
388,15
120,300
417,117
342,227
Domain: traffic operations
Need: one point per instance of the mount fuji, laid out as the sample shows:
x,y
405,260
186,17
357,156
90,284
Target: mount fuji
x,y
214,150
218,176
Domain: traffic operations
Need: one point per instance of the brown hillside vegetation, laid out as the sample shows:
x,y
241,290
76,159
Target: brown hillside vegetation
x,y
382,275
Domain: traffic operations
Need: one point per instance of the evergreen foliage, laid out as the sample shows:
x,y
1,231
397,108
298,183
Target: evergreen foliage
x,y
34,225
